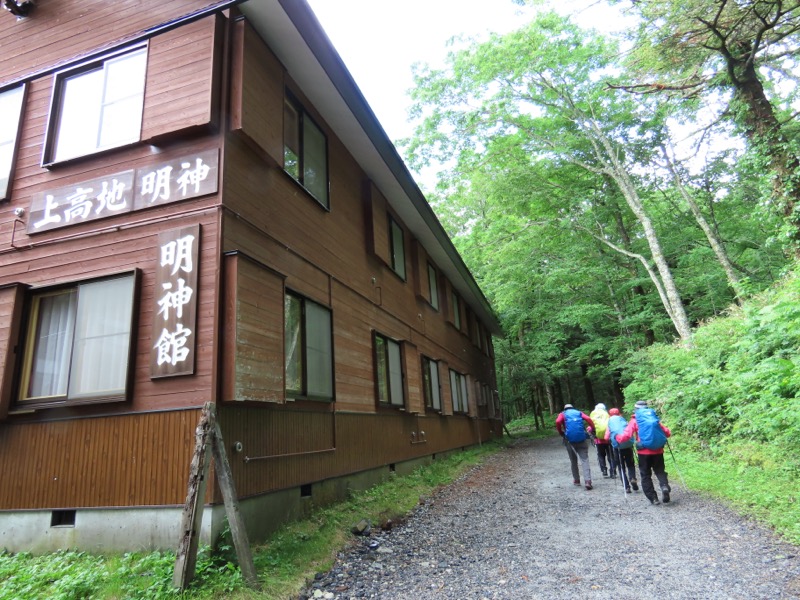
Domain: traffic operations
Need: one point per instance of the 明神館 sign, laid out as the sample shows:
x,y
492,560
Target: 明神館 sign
x,y
126,191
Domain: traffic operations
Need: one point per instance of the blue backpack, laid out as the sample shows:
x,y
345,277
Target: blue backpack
x,y
574,430
651,436
616,425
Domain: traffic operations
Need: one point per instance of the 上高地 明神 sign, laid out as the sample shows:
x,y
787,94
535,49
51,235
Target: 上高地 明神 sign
x,y
134,189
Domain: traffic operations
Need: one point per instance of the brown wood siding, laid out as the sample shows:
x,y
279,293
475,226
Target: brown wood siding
x,y
256,95
253,352
60,29
131,460
181,90
380,225
363,441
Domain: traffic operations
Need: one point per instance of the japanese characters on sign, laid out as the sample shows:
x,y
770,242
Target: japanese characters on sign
x,y
175,297
180,179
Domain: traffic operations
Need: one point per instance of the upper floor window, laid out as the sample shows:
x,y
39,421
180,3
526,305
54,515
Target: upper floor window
x,y
456,302
305,151
11,111
78,344
458,392
389,371
430,384
308,349
397,248
433,284
97,106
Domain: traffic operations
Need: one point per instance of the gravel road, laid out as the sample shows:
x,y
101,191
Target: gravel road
x,y
516,527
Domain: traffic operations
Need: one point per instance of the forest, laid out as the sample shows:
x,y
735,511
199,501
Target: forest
x,y
628,202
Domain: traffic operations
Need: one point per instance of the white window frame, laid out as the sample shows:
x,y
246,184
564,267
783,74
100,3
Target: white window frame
x,y
12,101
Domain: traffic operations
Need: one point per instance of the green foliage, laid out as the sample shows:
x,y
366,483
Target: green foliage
x,y
740,382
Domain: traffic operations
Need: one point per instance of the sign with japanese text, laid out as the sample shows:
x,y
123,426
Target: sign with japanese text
x,y
179,179
175,298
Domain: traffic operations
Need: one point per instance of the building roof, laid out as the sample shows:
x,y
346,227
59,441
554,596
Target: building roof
x,y
297,38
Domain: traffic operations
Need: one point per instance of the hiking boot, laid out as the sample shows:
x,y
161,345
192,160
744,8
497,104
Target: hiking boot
x,y
665,493
605,474
588,485
634,485
627,490
576,481
654,501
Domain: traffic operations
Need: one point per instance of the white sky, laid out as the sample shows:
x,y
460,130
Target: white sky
x,y
379,40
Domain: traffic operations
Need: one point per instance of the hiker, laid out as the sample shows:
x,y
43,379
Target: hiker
x,y
623,452
599,417
571,425
651,437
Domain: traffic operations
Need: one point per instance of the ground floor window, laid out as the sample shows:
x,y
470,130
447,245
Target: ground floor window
x,y
78,345
430,384
308,340
389,371
458,392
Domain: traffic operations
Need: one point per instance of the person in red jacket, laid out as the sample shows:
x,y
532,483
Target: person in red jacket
x,y
571,425
651,455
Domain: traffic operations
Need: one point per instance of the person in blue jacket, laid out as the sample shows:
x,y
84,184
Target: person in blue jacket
x,y
623,452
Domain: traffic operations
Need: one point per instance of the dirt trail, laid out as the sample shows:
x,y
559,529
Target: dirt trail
x,y
517,527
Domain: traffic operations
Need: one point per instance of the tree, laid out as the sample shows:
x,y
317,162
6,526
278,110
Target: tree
x,y
543,93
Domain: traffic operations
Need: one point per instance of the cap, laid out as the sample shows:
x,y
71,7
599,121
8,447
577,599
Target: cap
x,y
601,406
566,406
641,404
613,411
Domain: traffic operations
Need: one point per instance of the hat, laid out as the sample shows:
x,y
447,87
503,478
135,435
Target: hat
x,y
566,406
613,411
641,404
600,406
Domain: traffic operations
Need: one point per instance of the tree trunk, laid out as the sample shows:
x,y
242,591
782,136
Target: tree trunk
x,y
587,385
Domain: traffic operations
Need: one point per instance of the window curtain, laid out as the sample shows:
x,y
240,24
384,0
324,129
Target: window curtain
x,y
319,351
53,345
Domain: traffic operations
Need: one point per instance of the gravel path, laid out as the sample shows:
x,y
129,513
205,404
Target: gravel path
x,y
517,527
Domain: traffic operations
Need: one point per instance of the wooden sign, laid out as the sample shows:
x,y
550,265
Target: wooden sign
x,y
175,298
180,179
86,201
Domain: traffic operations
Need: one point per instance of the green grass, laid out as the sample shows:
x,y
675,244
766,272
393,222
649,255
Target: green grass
x,y
753,479
290,558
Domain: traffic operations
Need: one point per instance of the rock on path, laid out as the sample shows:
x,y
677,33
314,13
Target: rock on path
x,y
516,527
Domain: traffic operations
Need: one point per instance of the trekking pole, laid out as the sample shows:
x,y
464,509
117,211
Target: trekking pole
x,y
685,488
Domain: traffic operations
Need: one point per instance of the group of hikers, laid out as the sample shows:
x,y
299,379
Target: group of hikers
x,y
616,440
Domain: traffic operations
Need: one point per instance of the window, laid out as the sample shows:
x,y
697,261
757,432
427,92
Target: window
x,y
305,151
388,371
11,109
430,384
456,311
78,345
397,248
308,346
98,106
458,392
433,284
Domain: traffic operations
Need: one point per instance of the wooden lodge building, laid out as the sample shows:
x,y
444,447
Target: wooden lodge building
x,y
197,205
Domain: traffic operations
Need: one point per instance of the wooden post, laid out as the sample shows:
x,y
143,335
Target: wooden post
x,y
238,530
186,556
208,437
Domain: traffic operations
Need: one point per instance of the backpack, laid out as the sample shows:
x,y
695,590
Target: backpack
x,y
574,430
616,425
600,419
651,436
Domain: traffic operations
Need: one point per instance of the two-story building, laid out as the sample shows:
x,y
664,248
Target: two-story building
x,y
197,205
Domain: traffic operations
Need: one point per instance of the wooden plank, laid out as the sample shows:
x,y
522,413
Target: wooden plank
x,y
191,518
235,522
